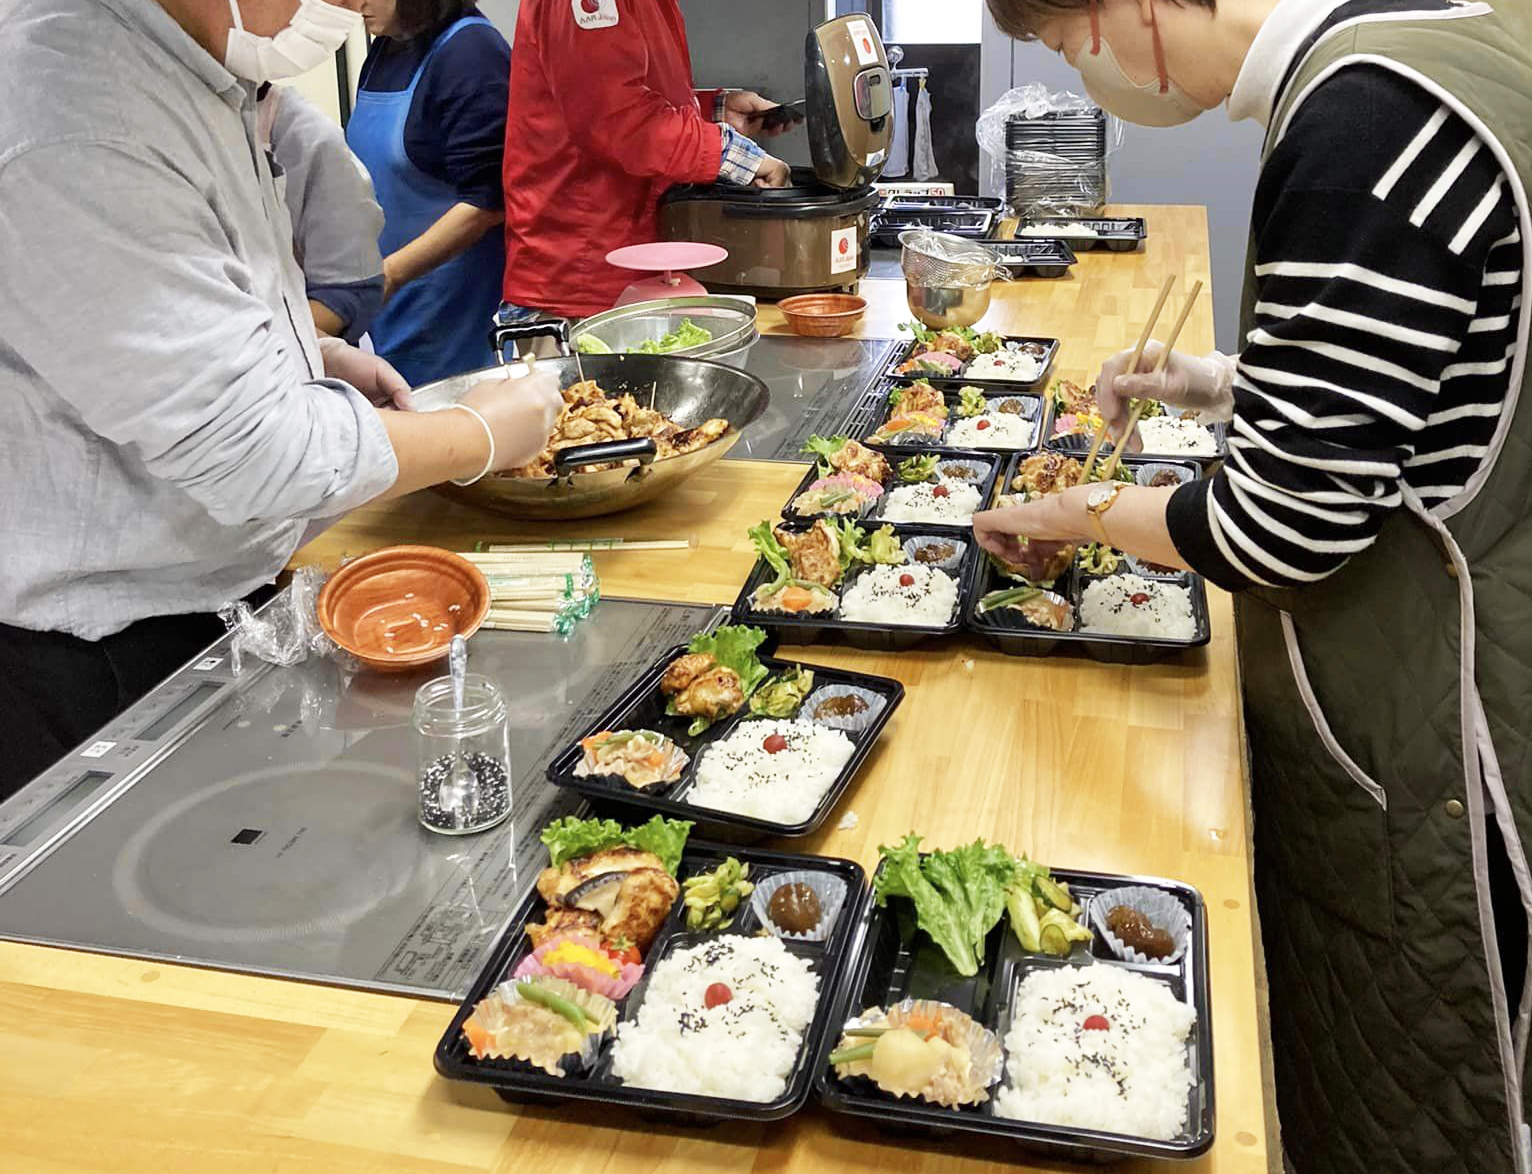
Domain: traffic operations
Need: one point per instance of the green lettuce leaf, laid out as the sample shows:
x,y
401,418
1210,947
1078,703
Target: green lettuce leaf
x,y
921,332
589,344
772,551
733,646
825,448
959,895
571,838
895,396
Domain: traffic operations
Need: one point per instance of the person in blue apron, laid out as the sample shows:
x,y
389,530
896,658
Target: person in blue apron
x,y
429,124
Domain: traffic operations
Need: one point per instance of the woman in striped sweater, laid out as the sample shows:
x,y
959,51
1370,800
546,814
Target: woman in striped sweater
x,y
1373,442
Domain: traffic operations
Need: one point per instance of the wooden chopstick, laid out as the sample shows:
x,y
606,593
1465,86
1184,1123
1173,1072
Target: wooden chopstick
x,y
592,544
1138,405
1138,353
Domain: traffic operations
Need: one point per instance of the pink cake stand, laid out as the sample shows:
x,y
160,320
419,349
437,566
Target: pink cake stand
x,y
667,260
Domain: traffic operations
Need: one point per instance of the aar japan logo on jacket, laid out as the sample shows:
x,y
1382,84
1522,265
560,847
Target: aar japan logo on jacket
x,y
595,14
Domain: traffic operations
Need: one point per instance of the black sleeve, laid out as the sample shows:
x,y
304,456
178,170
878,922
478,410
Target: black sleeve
x,y
456,128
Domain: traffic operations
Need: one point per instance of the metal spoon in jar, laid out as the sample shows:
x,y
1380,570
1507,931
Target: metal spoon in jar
x,y
459,795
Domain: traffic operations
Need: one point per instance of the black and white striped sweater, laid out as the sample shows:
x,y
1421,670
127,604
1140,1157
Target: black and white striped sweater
x,y
1388,264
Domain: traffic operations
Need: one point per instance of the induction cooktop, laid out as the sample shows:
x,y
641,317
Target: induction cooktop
x,y
265,821
815,383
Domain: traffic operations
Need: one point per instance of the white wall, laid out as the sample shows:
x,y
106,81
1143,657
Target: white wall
x,y
503,13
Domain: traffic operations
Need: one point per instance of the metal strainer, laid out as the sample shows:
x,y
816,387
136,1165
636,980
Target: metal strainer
x,y
947,278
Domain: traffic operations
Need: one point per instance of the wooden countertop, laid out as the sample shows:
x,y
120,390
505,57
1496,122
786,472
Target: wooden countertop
x,y
120,1065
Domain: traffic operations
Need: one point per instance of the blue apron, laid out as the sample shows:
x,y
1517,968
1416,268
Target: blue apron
x,y
437,325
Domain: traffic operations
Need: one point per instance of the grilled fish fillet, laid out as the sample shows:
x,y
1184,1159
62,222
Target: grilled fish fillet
x,y
632,903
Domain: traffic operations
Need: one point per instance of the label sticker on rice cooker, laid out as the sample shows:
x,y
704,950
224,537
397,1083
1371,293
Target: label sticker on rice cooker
x,y
843,252
595,14
862,44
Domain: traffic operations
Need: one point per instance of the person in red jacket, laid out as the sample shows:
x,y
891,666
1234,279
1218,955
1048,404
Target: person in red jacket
x,y
603,119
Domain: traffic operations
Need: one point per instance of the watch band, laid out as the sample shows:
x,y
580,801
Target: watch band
x,y
1097,512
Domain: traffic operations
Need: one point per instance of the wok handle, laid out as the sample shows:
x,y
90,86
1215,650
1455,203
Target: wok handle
x,y
504,332
640,448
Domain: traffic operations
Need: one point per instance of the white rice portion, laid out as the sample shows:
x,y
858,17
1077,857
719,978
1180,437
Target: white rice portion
x,y
1004,364
1072,228
1132,1078
877,598
1106,606
1170,434
1003,430
919,503
737,775
743,1050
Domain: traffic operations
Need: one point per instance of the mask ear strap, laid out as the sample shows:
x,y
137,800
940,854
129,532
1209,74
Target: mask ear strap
x,y
1159,52
1095,29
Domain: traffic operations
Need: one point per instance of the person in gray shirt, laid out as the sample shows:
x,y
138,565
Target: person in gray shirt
x,y
335,214
172,420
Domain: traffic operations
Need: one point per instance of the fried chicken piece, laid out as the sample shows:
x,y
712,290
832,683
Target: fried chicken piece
x,y
815,553
582,394
1074,399
699,437
855,457
715,694
684,670
922,397
1047,472
626,890
559,920
948,343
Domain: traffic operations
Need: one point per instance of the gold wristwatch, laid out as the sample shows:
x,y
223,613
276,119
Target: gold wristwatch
x,y
1098,501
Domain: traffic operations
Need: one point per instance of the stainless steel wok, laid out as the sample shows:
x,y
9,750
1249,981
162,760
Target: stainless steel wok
x,y
689,391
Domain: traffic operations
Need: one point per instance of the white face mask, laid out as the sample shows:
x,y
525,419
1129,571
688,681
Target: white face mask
x,y
1157,103
310,39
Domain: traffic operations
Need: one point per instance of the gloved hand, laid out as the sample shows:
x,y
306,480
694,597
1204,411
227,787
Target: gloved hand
x,y
1204,385
375,378
773,173
521,414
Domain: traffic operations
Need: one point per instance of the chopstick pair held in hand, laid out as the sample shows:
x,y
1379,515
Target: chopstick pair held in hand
x,y
1138,351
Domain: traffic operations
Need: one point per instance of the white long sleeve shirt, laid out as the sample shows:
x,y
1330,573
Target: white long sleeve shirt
x,y
165,424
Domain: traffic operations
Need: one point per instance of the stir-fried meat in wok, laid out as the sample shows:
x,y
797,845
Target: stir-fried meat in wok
x,y
590,416
700,687
815,553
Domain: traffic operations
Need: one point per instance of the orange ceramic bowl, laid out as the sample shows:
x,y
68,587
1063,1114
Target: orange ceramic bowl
x,y
398,608
823,315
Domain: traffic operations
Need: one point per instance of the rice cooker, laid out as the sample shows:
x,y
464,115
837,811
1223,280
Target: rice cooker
x,y
813,234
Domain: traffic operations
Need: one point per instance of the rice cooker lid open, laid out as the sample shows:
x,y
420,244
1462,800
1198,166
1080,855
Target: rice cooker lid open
x,y
848,101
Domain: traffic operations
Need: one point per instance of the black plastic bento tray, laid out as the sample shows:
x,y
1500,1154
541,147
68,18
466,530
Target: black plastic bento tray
x,y
904,203
1013,636
988,386
1078,444
876,637
896,453
881,413
1120,234
972,223
1042,256
891,960
520,1083
643,707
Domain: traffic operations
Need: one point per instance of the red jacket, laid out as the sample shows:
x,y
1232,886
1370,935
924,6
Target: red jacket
x,y
602,120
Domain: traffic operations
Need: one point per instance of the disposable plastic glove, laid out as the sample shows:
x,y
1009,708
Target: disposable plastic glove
x,y
1204,386
375,378
521,414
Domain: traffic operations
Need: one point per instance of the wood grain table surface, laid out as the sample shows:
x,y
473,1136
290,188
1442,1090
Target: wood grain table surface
x,y
111,1064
